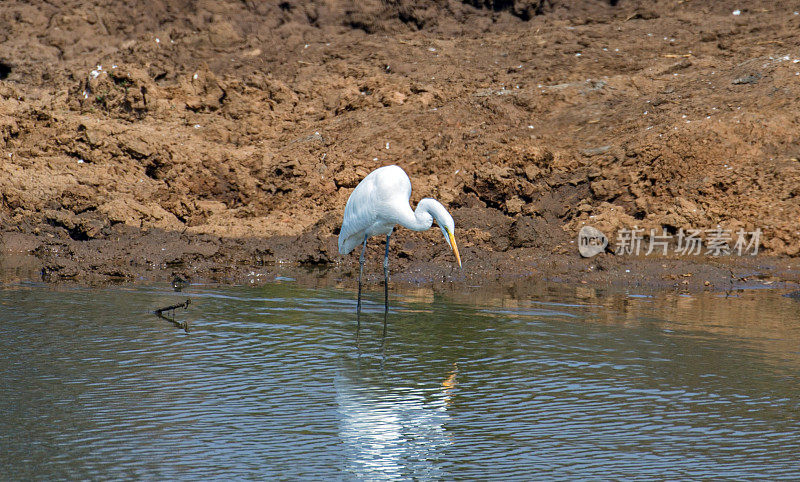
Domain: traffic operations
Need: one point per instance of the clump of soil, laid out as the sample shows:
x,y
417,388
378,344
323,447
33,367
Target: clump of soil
x,y
220,139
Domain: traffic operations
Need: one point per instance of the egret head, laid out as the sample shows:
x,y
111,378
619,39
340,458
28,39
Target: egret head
x,y
445,222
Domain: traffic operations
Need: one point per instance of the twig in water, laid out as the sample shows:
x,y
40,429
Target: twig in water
x,y
185,305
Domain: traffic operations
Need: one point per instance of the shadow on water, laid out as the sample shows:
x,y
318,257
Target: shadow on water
x,y
558,381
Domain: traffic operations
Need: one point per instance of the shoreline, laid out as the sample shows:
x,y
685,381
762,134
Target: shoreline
x,y
161,256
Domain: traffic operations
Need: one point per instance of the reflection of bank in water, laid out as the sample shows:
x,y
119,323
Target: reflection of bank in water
x,y
392,432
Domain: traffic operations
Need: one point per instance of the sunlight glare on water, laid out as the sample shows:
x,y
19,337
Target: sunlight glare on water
x,y
555,381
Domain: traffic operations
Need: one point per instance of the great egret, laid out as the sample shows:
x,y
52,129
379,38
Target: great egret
x,y
376,205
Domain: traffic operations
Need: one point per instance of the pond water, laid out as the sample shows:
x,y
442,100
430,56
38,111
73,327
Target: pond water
x,y
548,381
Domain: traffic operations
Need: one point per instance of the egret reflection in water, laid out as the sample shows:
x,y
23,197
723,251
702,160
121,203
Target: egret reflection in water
x,y
391,432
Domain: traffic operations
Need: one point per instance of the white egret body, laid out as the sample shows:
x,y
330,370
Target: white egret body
x,y
377,205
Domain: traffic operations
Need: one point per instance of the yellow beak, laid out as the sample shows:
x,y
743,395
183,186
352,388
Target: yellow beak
x,y
455,247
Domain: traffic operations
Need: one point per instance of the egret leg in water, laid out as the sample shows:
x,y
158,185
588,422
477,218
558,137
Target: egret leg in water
x,y
386,283
360,275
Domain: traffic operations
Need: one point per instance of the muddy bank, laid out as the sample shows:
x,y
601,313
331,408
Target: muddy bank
x,y
214,139
165,256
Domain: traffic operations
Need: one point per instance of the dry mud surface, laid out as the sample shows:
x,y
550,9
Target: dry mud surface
x,y
219,140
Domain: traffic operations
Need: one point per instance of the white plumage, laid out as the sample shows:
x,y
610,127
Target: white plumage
x,y
373,206
381,201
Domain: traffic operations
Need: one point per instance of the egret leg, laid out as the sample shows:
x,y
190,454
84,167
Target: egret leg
x,y
386,284
360,274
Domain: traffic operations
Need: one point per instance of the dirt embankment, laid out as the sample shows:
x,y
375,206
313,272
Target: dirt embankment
x,y
220,139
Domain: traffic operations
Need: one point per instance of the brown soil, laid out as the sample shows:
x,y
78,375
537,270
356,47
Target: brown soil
x,y
220,140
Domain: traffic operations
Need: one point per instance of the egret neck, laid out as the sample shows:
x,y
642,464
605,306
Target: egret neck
x,y
421,219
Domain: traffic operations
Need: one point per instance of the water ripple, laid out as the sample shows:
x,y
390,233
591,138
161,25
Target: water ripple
x,y
273,382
